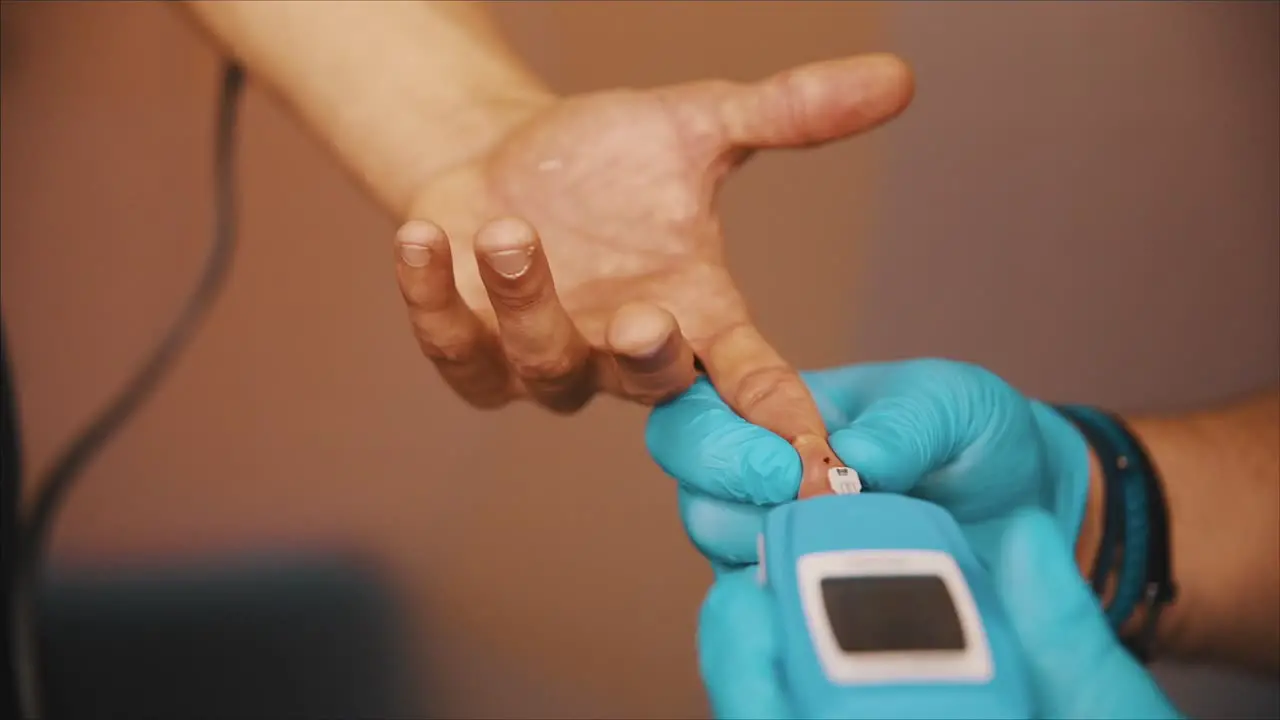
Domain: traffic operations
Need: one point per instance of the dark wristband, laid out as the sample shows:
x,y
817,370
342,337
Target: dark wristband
x,y
1135,540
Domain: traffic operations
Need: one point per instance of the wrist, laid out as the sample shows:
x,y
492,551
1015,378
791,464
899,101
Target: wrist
x,y
1090,538
1125,546
399,91
437,132
1210,532
1167,630
469,131
1174,632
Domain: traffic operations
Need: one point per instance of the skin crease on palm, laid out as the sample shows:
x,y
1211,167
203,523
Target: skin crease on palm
x,y
620,188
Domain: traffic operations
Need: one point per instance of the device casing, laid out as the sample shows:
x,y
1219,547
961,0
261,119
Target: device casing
x,y
875,521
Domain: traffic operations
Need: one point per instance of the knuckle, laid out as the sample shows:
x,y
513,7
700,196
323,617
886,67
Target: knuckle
x,y
958,372
519,301
939,367
544,368
559,382
656,393
452,347
764,386
987,384
426,295
792,105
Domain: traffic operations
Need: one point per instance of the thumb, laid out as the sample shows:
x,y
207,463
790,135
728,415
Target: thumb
x,y
899,439
1077,667
817,103
738,649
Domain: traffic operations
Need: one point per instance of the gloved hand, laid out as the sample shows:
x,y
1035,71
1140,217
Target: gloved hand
x,y
1076,667
949,432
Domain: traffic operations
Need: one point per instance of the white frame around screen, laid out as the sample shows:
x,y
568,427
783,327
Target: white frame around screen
x,y
973,664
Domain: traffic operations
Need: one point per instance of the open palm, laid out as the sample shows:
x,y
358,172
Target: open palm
x,y
612,194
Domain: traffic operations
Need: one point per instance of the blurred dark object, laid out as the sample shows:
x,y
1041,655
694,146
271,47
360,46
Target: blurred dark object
x,y
10,492
285,637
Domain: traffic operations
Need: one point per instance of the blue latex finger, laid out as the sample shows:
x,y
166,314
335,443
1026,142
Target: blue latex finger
x,y
738,650
723,531
698,440
841,393
898,440
1078,668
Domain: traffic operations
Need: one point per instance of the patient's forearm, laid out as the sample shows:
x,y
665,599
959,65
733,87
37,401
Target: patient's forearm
x,y
1221,472
399,89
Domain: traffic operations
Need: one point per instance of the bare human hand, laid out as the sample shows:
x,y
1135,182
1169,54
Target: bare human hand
x,y
582,253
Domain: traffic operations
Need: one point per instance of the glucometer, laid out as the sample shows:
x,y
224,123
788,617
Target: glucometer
x,y
885,612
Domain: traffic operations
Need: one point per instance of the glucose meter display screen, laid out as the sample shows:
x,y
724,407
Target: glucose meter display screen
x,y
892,613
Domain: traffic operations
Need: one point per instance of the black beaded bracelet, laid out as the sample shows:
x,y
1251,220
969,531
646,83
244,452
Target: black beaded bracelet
x,y
1135,538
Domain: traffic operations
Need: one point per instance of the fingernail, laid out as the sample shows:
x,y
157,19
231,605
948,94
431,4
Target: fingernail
x,y
510,263
507,246
414,255
415,239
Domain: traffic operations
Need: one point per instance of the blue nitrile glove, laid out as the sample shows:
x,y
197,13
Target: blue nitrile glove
x,y
948,432
1076,666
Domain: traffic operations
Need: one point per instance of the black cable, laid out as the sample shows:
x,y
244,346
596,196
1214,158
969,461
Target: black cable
x,y
61,477
10,493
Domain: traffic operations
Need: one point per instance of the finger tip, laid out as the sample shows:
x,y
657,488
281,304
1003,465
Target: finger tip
x,y
505,233
852,445
640,330
724,531
878,466
414,249
417,241
873,88
898,75
420,233
891,65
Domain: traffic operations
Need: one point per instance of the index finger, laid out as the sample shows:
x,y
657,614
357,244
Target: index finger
x,y
765,390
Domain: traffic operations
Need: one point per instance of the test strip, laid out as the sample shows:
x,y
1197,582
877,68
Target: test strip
x,y
844,481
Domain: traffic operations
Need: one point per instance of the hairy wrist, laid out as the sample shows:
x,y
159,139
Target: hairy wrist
x,y
1219,474
1170,636
1179,632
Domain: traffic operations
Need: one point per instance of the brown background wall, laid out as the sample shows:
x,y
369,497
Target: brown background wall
x,y
1085,197
1051,150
